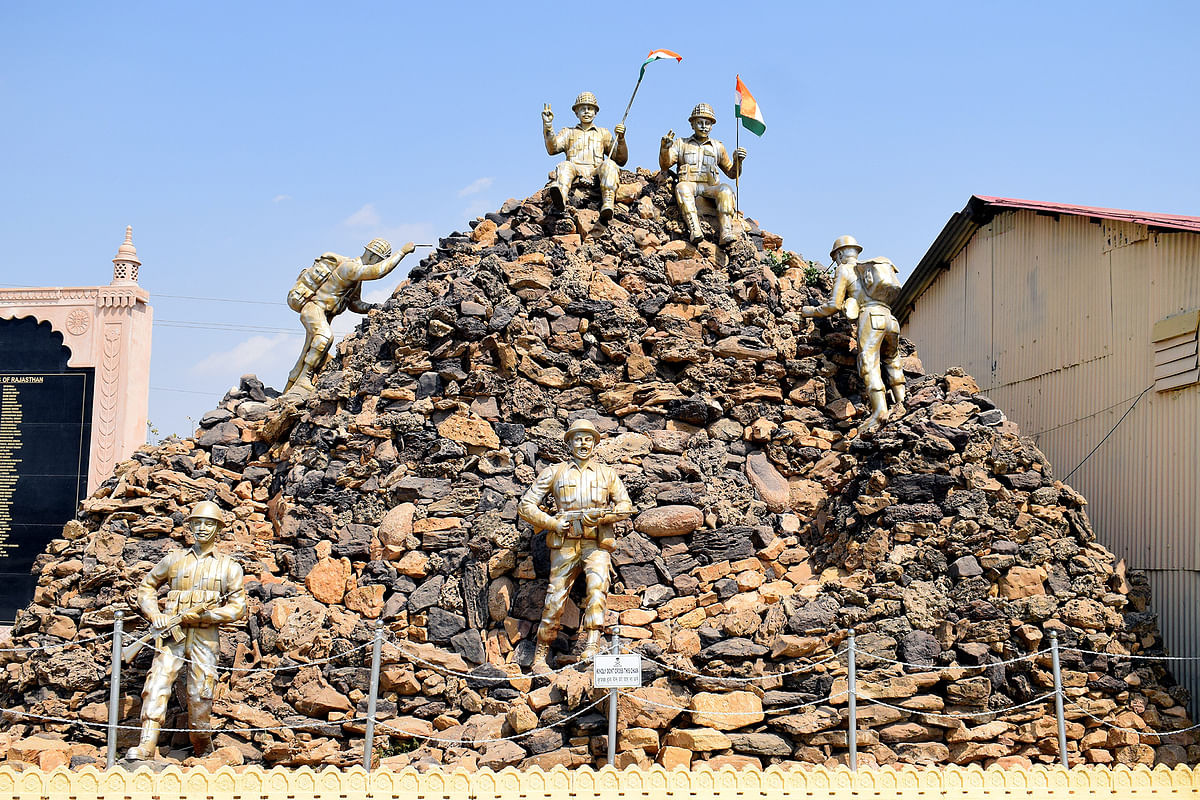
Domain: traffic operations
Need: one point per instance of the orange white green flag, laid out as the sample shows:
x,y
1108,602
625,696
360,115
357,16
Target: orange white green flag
x,y
656,55
747,110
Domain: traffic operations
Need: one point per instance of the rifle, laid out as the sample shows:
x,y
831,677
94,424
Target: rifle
x,y
172,628
576,518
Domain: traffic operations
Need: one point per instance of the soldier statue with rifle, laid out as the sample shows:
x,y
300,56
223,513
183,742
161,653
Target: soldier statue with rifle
x,y
589,498
204,591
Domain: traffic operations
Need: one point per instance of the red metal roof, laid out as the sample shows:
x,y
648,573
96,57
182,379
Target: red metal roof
x,y
979,211
1170,221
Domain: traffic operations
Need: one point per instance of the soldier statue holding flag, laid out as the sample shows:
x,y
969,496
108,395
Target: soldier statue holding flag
x,y
588,148
696,160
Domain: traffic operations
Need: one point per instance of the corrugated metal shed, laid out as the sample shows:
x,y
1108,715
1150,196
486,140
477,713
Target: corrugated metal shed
x,y
1054,310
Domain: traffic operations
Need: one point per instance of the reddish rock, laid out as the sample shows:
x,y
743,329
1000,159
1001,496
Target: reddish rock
x,y
669,520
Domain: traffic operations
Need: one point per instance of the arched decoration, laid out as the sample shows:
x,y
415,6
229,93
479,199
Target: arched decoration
x,y
32,346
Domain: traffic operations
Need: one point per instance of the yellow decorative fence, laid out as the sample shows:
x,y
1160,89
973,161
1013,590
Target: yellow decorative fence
x,y
254,783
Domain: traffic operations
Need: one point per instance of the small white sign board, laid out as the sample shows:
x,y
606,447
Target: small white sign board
x,y
617,671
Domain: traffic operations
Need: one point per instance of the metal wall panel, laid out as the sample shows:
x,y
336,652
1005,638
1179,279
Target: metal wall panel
x,y
1174,594
1073,311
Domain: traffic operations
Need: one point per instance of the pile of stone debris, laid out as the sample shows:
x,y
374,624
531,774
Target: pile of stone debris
x,y
766,528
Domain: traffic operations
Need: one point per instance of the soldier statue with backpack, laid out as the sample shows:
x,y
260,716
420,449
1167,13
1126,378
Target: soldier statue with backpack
x,y
331,285
865,291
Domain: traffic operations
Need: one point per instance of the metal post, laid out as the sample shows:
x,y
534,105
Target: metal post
x,y
369,740
852,722
1058,699
612,705
114,689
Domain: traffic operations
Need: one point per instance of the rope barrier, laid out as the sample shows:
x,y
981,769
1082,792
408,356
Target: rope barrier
x,y
1115,727
87,724
764,677
1130,655
476,742
447,671
964,715
933,668
55,646
772,710
285,667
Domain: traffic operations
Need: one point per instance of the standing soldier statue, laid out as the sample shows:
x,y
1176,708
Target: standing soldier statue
x,y
865,291
588,149
204,592
696,160
589,498
331,285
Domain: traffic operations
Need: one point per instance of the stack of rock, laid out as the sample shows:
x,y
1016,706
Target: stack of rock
x,y
765,530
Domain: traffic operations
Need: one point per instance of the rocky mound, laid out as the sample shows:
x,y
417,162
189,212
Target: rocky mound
x,y
766,529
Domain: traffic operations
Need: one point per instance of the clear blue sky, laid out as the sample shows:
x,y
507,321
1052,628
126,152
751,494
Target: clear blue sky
x,y
243,139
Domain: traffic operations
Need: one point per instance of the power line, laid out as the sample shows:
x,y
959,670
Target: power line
x,y
1110,433
1089,416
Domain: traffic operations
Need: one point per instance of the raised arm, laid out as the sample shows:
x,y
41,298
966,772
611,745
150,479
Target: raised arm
x,y
666,151
843,279
370,272
554,144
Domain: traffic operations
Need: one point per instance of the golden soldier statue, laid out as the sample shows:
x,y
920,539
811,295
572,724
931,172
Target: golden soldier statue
x,y
204,592
696,160
865,290
589,498
331,285
587,147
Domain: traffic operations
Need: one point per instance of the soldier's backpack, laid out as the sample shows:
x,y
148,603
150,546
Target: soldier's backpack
x,y
309,281
879,280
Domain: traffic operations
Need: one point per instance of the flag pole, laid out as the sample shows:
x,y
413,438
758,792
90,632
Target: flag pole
x,y
625,116
737,143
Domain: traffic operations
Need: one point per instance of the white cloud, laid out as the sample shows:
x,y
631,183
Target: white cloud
x,y
279,198
475,187
381,291
269,357
365,217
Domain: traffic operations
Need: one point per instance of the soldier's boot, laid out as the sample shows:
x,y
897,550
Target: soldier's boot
x,y
592,647
693,224
558,196
725,234
878,411
608,199
198,721
540,665
898,393
147,746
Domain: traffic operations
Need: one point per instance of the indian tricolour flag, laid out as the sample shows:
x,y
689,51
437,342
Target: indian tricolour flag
x,y
747,110
656,55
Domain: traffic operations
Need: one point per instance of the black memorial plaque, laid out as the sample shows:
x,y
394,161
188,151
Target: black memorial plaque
x,y
45,431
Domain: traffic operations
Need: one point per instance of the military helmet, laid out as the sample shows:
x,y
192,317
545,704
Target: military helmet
x,y
703,110
380,247
586,98
207,509
844,241
581,426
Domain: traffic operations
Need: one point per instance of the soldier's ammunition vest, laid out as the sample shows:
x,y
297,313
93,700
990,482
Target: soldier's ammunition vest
x,y
586,148
193,582
698,162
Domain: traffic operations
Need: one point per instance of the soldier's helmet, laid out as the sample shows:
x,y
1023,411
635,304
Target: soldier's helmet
x,y
380,247
585,99
703,110
844,241
581,426
207,509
